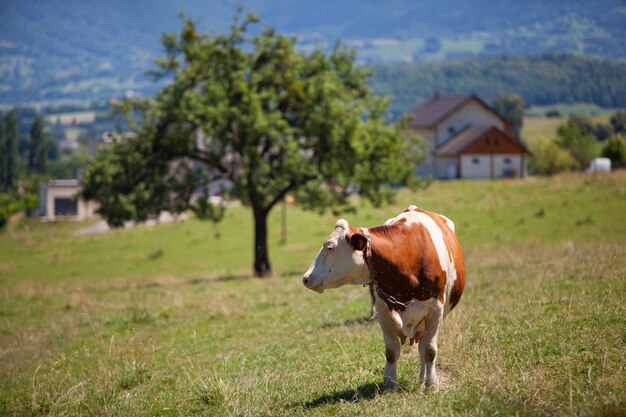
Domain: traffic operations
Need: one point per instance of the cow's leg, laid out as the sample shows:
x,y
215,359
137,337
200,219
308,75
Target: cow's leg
x,y
373,312
392,344
428,348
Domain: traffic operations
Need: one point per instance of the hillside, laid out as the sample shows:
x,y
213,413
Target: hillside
x,y
547,79
51,50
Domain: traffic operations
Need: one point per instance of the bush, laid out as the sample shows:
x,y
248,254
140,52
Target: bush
x,y
549,158
618,121
553,113
577,141
10,203
615,150
603,131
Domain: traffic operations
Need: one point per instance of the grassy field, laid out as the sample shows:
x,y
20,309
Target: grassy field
x,y
536,128
567,110
165,320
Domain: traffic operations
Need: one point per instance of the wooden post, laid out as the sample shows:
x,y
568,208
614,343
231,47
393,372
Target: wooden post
x,y
283,229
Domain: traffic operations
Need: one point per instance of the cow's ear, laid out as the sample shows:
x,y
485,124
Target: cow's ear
x,y
358,241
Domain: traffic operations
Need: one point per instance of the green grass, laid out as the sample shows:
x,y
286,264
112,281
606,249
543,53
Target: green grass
x,y
536,128
166,321
570,109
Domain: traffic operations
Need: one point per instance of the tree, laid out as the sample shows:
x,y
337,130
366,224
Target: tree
x,y
577,142
603,131
9,159
37,152
254,110
553,113
3,154
549,158
618,121
511,107
615,150
584,123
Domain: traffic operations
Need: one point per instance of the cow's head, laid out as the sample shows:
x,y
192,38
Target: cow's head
x,y
341,260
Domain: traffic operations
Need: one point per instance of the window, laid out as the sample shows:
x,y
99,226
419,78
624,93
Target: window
x,y
475,161
507,160
451,129
488,141
496,141
64,206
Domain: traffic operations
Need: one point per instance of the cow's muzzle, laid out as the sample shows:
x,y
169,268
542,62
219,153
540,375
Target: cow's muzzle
x,y
310,284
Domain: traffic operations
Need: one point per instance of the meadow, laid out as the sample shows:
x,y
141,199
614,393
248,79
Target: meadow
x,y
167,320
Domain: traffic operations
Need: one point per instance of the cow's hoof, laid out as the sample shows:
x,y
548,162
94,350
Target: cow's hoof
x,y
431,386
391,385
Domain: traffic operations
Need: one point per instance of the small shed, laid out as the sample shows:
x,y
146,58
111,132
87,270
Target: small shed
x,y
58,199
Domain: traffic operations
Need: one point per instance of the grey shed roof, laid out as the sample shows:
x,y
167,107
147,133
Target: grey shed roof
x,y
436,108
462,139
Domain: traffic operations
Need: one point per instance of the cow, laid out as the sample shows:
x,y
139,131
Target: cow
x,y
414,264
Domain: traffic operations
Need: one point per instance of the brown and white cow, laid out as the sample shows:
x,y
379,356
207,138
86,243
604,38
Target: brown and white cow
x,y
415,265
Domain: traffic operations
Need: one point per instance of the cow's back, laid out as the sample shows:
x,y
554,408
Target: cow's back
x,y
447,249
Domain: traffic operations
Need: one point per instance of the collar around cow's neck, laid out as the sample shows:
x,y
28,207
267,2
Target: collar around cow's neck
x,y
369,261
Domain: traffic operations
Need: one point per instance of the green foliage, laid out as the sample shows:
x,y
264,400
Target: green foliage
x,y
603,131
549,158
10,203
205,210
38,149
553,113
618,121
13,202
254,110
615,150
577,142
128,183
583,122
540,80
9,160
67,165
511,107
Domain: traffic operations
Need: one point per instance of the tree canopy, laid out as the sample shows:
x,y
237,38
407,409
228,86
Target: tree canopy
x,y
511,107
253,110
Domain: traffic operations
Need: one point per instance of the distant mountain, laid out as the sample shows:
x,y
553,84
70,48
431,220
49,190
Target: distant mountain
x,y
73,49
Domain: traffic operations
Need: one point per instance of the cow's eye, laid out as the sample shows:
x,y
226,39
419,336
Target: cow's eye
x,y
330,248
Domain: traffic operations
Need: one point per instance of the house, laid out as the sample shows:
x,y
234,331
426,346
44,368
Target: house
x,y
58,199
466,139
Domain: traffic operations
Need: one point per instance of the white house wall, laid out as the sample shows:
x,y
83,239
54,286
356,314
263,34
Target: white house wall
x,y
471,112
471,169
516,165
507,165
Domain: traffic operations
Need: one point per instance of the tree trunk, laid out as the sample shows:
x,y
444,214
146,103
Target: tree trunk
x,y
262,266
